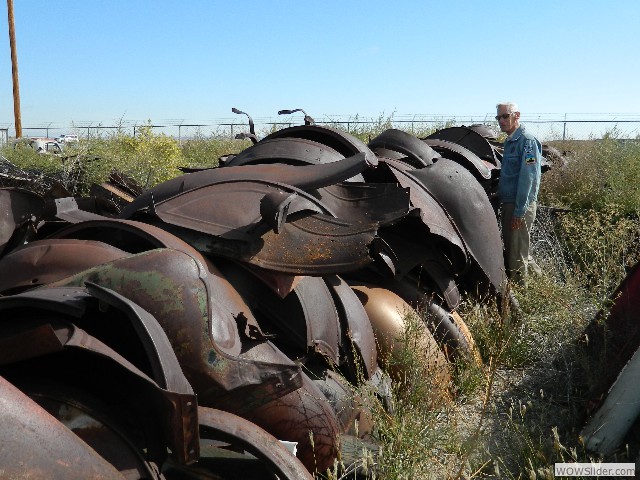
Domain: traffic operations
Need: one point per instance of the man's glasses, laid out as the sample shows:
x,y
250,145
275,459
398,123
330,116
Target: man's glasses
x,y
504,116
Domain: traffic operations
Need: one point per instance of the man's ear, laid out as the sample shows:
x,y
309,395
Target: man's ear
x,y
517,115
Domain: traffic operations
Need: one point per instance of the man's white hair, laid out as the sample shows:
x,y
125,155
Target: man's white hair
x,y
511,106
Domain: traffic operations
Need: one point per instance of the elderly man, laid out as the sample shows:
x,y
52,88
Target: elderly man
x,y
518,191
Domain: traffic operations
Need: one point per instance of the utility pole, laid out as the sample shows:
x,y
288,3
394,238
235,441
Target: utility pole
x,y
14,70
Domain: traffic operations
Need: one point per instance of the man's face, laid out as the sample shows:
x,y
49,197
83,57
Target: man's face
x,y
508,121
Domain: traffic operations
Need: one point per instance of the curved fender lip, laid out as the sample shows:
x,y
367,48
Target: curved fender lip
x,y
291,151
467,204
417,153
46,261
223,302
36,445
358,337
343,142
471,139
245,202
176,403
311,245
128,235
227,427
463,156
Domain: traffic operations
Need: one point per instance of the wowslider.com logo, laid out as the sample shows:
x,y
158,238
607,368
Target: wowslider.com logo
x,y
595,469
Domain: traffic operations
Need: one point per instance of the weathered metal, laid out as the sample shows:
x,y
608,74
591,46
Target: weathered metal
x,y
19,212
358,342
354,414
240,433
472,214
365,202
177,289
303,416
290,151
432,214
293,177
37,324
481,169
412,150
35,445
97,433
475,139
302,323
389,315
343,142
46,261
140,298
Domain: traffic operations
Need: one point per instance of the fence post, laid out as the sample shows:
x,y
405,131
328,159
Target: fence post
x,y
564,128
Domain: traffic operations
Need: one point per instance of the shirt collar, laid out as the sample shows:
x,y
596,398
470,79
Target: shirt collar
x,y
516,133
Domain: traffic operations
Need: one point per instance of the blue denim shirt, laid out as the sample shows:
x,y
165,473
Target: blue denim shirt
x,y
520,171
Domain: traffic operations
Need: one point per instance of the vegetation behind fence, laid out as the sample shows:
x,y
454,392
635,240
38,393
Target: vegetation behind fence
x,y
546,127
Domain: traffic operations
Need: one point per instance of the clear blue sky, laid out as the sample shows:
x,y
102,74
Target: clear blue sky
x,y
101,61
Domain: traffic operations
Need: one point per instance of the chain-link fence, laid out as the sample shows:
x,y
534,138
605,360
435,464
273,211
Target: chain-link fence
x,y
544,126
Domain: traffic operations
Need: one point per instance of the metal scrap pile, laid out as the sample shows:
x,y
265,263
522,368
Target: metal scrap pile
x,y
238,305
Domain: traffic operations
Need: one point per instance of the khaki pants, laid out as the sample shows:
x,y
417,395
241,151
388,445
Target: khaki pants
x,y
516,243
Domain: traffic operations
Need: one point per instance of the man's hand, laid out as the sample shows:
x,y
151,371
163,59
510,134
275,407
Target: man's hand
x,y
516,223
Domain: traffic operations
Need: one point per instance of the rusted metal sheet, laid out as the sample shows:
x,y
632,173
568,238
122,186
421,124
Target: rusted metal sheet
x,y
303,322
19,212
452,334
244,209
353,416
85,416
290,151
46,261
304,245
416,153
127,235
473,217
486,131
281,209
176,290
432,214
303,416
74,210
159,378
482,170
469,138
224,302
431,274
365,202
35,445
226,427
343,142
359,345
304,177
389,315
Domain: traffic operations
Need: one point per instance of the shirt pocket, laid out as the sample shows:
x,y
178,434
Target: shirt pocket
x,y
510,164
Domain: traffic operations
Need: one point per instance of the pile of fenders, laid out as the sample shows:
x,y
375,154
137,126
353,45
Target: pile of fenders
x,y
142,331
